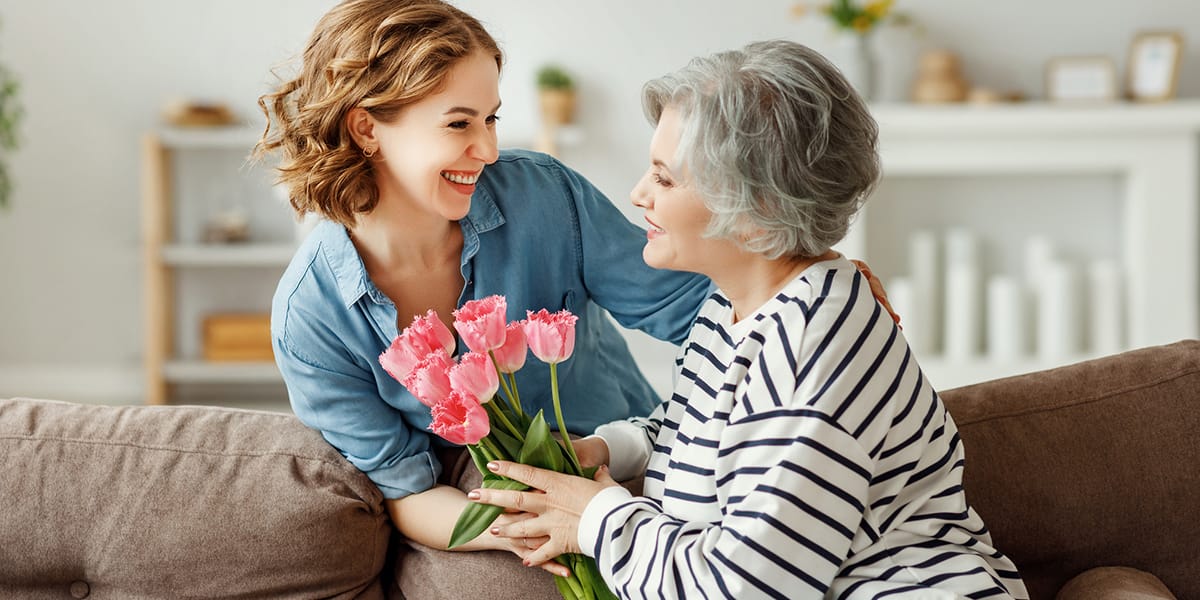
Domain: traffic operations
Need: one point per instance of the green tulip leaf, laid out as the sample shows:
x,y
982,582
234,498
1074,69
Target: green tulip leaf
x,y
478,458
540,449
477,517
564,588
510,444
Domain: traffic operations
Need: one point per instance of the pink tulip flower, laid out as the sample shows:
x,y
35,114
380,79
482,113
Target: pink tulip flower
x,y
551,337
475,377
429,379
426,334
460,420
511,356
481,323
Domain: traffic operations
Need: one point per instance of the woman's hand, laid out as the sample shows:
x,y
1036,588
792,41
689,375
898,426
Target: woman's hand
x,y
557,500
521,546
592,451
877,289
428,518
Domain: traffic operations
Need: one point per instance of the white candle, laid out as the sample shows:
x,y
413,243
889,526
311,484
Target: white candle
x,y
964,295
962,248
963,312
1038,252
901,296
1106,316
1005,318
1058,312
925,334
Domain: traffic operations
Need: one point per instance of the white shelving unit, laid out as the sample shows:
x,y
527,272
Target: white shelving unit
x,y
1152,150
227,255
173,252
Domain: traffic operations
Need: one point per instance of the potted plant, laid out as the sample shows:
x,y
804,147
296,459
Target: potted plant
x,y
556,93
10,117
853,20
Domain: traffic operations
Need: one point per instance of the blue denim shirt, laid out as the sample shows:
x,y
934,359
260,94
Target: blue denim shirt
x,y
538,233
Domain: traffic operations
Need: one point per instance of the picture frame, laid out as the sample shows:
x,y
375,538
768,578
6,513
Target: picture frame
x,y
1081,79
1154,59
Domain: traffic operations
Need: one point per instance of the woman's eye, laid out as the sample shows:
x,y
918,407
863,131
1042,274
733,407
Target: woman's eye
x,y
459,125
492,119
660,181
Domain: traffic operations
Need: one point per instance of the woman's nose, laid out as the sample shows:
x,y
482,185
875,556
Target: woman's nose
x,y
485,148
639,195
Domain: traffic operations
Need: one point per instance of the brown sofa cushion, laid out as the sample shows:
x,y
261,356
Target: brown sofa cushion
x,y
173,502
1090,465
1115,583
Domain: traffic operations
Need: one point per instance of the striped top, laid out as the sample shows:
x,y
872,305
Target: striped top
x,y
802,455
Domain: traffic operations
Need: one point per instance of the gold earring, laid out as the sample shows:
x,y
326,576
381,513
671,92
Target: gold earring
x,y
368,152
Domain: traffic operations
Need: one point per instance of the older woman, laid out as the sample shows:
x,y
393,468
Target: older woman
x,y
803,453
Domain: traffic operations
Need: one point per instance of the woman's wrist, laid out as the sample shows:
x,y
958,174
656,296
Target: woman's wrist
x,y
593,515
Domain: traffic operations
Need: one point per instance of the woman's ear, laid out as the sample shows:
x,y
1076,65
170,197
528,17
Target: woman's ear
x,y
361,126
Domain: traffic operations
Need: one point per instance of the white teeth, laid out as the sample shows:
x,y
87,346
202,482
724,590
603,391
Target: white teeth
x,y
463,179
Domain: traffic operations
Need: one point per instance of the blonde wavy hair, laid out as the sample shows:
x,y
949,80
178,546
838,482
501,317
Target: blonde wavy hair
x,y
381,55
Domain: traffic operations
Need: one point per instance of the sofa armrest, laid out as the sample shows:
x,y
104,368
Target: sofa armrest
x,y
1089,465
1115,583
175,501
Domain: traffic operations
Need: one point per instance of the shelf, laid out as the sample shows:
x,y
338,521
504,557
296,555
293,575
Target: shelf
x,y
172,308
1041,118
198,371
199,138
1152,149
228,255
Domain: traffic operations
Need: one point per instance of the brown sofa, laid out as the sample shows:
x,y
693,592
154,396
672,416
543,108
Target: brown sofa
x,y
1087,475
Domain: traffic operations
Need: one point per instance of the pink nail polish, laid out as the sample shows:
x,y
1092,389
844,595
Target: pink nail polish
x,y
492,466
473,495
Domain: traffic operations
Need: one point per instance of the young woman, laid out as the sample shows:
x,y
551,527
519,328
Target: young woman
x,y
803,453
388,131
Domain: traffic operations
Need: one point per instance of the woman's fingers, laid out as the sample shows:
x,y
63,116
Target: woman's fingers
x,y
510,500
555,569
544,554
533,477
523,529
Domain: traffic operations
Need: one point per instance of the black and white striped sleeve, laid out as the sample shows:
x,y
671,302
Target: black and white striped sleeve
x,y
790,481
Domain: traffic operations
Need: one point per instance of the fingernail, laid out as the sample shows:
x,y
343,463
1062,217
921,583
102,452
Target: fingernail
x,y
492,466
473,495
495,531
527,563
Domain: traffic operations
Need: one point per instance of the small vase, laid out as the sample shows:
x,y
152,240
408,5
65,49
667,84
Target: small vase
x,y
857,62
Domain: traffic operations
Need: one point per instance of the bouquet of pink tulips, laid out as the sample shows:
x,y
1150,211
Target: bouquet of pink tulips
x,y
468,408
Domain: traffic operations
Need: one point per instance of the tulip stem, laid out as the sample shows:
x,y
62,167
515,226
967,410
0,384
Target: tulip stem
x,y
497,412
490,450
509,391
515,394
562,425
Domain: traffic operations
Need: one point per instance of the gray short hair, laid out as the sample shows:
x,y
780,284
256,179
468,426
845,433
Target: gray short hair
x,y
779,145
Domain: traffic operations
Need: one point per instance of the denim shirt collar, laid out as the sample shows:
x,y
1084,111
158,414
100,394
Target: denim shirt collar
x,y
352,279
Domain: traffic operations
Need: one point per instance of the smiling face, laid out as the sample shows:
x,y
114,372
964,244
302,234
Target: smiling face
x,y
675,211
432,154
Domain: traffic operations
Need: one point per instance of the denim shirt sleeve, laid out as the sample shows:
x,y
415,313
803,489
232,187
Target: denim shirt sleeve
x,y
366,430
662,303
339,396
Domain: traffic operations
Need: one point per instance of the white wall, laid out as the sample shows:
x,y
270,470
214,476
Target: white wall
x,y
96,75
